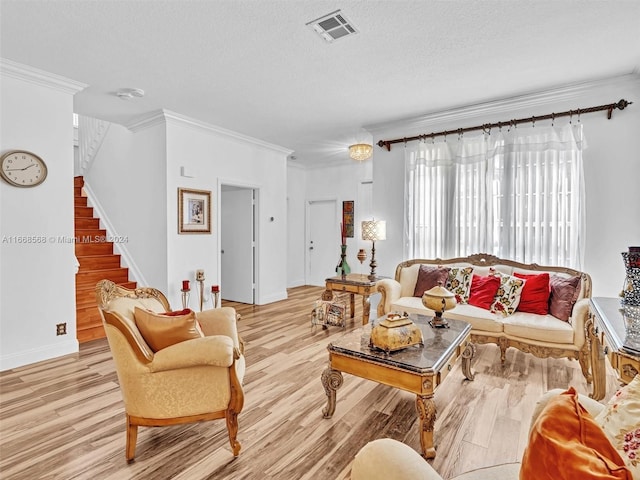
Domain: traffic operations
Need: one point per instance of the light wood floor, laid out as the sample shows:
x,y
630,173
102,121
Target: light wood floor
x,y
63,419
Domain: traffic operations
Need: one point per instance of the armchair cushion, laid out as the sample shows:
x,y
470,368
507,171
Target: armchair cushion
x,y
216,351
161,330
566,443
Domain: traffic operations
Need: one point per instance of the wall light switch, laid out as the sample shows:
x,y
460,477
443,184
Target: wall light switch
x,y
186,172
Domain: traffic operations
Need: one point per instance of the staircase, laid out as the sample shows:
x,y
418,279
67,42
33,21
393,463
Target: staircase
x,y
97,262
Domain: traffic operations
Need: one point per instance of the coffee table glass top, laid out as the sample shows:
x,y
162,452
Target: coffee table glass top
x,y
439,345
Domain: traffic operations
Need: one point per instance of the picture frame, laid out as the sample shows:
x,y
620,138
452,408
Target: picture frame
x,y
348,214
194,211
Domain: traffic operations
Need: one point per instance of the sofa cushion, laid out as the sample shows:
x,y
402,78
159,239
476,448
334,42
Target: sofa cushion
x,y
542,328
429,277
479,318
161,330
459,283
620,420
565,443
564,294
535,293
508,295
483,291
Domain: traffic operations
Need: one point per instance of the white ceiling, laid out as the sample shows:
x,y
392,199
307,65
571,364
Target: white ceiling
x,y
254,67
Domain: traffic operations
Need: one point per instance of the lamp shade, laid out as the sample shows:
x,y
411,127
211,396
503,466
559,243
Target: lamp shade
x,y
374,230
360,151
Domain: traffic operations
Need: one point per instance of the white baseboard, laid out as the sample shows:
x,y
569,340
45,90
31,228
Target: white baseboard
x,y
276,297
33,355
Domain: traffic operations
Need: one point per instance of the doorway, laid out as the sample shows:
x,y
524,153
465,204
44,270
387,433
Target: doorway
x,y
323,247
237,243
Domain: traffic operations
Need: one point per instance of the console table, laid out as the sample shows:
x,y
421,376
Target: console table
x,y
354,283
610,337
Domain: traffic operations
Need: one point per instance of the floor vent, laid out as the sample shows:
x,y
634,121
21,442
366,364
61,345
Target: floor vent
x,y
333,26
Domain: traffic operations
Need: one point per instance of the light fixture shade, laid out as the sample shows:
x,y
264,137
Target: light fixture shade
x,y
360,151
374,230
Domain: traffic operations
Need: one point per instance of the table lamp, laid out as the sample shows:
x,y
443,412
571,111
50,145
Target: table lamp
x,y
374,230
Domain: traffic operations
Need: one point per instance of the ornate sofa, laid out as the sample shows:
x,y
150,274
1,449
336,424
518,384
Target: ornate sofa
x,y
542,335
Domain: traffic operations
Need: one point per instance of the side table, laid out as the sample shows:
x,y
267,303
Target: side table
x,y
354,283
610,337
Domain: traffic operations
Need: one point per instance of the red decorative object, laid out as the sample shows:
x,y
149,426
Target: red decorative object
x,y
185,285
215,288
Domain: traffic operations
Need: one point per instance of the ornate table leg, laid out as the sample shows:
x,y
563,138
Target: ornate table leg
x,y
427,412
597,360
331,381
352,305
467,355
366,307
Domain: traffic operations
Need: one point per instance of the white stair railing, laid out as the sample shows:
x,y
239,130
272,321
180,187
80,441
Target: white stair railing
x,y
91,133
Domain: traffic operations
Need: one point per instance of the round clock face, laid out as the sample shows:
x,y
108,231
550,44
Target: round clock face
x,y
23,169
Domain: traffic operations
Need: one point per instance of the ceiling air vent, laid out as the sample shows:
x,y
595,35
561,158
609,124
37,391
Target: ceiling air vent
x,y
333,26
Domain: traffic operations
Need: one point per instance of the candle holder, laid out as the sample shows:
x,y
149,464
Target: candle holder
x,y
185,298
215,296
200,280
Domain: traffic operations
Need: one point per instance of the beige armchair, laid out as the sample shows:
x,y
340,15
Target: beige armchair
x,y
195,380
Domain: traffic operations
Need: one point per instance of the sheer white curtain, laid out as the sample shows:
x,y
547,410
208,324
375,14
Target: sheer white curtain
x,y
518,195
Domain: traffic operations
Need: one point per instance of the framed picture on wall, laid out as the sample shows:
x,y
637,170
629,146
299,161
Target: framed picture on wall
x,y
347,217
194,211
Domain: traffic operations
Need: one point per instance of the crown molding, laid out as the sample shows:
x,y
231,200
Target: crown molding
x,y
508,104
40,77
166,116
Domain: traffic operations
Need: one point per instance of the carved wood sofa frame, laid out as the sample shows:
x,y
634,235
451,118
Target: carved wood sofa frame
x,y
582,354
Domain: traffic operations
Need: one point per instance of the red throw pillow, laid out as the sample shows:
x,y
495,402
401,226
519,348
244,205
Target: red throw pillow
x,y
429,277
564,294
483,290
535,294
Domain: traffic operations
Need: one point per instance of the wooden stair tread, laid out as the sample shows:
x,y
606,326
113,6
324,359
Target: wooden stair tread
x,y
97,262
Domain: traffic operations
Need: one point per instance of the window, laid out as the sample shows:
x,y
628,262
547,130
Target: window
x,y
518,195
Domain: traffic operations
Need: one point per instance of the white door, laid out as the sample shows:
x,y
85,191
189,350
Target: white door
x,y
323,241
237,242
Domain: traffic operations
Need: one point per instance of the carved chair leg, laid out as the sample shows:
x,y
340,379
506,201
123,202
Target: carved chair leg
x,y
232,426
132,438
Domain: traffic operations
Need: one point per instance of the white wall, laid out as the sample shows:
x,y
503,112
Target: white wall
x,y
127,181
37,280
339,181
611,165
216,156
135,179
296,251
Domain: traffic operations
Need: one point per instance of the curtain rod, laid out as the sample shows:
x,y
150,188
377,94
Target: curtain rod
x,y
621,105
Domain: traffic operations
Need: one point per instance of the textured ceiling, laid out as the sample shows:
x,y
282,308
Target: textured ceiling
x,y
254,67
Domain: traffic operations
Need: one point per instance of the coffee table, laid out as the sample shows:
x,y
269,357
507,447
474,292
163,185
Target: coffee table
x,y
417,369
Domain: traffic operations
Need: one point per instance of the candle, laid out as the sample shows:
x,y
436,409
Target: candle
x,y
185,285
200,275
215,288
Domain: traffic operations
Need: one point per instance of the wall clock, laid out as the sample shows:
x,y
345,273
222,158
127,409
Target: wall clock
x,y
23,169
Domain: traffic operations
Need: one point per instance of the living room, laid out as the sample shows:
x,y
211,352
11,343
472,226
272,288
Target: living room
x,y
37,105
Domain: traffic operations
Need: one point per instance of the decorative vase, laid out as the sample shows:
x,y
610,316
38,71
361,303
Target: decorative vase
x,y
631,289
343,267
439,299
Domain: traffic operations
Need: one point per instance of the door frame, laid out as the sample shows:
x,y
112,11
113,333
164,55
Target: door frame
x,y
256,229
307,229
